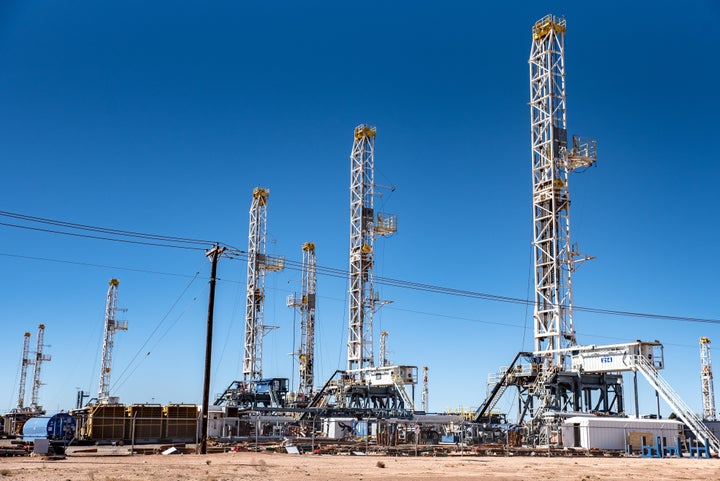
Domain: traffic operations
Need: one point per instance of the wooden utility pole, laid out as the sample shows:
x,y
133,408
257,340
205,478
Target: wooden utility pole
x,y
214,254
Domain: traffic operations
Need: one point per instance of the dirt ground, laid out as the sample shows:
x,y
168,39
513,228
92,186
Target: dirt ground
x,y
286,467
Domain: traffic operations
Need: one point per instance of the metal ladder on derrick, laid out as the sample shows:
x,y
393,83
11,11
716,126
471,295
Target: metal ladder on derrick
x,y
691,420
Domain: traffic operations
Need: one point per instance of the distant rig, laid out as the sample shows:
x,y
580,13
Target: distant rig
x,y
569,396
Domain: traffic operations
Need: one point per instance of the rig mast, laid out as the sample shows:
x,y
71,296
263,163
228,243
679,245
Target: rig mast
x,y
306,305
39,359
552,161
708,391
425,390
258,264
363,229
24,363
111,325
307,320
384,361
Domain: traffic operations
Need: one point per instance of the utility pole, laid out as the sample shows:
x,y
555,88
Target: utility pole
x,y
214,254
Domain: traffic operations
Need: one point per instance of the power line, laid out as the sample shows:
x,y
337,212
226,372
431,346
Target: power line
x,y
87,236
237,254
105,230
90,264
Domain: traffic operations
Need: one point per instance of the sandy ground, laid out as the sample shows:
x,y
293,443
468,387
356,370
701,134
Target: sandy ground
x,y
272,466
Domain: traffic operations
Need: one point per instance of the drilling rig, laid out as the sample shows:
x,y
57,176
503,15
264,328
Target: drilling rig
x,y
39,359
254,390
364,389
13,421
111,325
561,378
706,377
25,361
306,305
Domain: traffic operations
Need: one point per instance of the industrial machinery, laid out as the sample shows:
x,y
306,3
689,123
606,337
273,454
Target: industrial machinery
x,y
552,162
13,421
24,363
253,390
39,359
258,264
425,400
112,324
561,378
306,305
364,389
706,378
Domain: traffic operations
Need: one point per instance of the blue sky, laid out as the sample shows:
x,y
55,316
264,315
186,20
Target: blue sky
x,y
162,117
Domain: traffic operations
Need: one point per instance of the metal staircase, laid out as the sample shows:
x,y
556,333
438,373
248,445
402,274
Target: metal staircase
x,y
691,420
504,374
400,387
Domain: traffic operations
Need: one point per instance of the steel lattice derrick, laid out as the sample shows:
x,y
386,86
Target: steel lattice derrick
x,y
111,325
362,238
258,264
252,359
307,320
24,363
706,376
552,161
39,359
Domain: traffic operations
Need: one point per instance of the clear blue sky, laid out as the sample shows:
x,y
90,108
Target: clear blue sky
x,y
163,116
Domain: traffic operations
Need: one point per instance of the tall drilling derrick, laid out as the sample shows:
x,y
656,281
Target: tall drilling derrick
x,y
369,389
24,363
306,305
363,229
552,161
258,264
425,390
384,361
307,321
111,325
706,376
39,359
